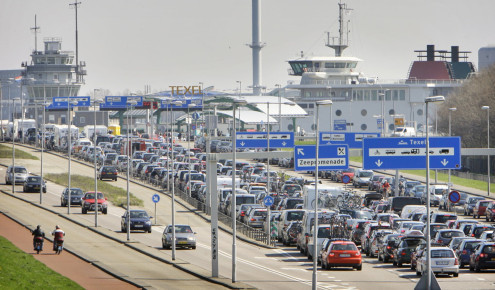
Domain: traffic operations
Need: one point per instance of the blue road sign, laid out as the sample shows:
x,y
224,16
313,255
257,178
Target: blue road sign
x,y
353,140
120,102
454,196
260,140
198,102
268,200
339,125
155,198
410,153
60,103
195,116
329,157
379,123
346,179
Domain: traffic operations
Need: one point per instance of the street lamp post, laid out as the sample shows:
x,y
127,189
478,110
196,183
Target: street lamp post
x,y
315,230
279,108
13,148
450,134
268,185
42,145
176,103
69,135
236,103
128,225
487,108
95,102
189,147
434,99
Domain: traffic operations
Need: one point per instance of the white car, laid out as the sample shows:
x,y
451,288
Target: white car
x,y
443,261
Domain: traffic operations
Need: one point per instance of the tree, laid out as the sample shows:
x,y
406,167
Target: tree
x,y
470,121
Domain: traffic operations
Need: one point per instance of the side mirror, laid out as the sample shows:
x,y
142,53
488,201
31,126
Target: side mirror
x,y
105,198
151,217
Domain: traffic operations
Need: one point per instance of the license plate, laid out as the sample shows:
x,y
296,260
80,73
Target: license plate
x,y
138,226
183,242
493,259
345,255
442,262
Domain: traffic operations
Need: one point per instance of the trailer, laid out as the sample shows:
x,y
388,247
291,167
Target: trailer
x,y
89,131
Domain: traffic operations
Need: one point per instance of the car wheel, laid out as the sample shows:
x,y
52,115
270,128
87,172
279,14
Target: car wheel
x,y
379,257
455,275
193,247
385,259
471,267
394,263
105,211
477,268
149,231
399,264
359,268
418,273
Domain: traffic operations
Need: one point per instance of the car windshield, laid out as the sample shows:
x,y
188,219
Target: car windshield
x,y
411,184
138,214
474,200
365,174
181,229
444,218
448,234
361,214
34,179
344,247
323,232
442,254
410,243
20,170
471,245
420,188
92,195
76,191
295,215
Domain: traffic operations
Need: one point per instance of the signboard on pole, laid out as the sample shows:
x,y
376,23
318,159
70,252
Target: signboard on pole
x,y
410,153
353,140
339,125
329,157
61,103
114,103
260,140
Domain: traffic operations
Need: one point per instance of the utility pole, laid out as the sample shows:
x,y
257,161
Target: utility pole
x,y
75,4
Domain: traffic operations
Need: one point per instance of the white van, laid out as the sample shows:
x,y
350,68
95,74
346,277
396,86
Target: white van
x,y
404,132
409,210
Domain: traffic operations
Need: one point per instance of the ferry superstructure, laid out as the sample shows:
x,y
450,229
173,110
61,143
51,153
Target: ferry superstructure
x,y
360,102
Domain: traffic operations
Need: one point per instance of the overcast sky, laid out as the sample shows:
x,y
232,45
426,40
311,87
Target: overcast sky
x,y
132,43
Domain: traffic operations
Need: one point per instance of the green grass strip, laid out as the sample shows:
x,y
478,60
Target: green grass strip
x,y
6,152
19,270
116,195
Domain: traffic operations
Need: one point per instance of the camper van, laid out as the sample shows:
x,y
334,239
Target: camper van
x,y
60,136
323,191
100,130
21,126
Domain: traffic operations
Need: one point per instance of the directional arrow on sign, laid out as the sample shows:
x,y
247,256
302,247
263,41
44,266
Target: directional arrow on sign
x,y
378,163
284,143
300,151
242,143
444,162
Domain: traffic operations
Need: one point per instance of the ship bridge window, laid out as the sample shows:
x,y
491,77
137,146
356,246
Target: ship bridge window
x,y
51,60
366,95
395,95
351,65
340,65
402,95
329,65
299,67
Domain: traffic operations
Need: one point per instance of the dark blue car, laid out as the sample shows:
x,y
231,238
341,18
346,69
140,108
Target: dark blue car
x,y
140,221
465,250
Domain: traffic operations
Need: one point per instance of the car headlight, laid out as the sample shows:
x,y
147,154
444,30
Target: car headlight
x,y
190,238
148,222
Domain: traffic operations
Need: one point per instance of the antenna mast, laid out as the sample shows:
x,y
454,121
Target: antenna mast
x,y
75,4
342,42
35,28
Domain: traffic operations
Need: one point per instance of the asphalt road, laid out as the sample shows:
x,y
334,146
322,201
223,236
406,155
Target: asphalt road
x,y
281,268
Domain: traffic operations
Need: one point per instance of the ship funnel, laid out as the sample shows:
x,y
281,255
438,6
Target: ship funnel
x,y
256,47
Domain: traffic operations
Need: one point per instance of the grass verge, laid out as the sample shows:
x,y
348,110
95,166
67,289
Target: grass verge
x,y
6,152
19,270
116,195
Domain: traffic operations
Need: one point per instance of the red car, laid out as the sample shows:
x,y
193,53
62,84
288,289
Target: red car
x,y
349,172
340,254
480,208
88,202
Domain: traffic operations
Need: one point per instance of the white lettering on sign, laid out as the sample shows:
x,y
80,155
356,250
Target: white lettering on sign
x,y
114,99
321,162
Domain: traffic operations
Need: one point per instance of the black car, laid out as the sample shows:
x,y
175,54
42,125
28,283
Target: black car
x,y
33,184
483,257
76,195
108,172
140,221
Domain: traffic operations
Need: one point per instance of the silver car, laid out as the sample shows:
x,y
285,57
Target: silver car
x,y
443,261
184,237
18,175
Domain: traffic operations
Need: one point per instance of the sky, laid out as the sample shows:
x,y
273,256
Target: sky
x,y
130,44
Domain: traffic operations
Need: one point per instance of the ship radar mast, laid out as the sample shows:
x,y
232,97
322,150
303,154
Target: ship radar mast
x,y
342,41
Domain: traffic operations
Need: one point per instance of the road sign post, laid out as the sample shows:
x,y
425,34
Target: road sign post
x,y
155,198
410,153
268,201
